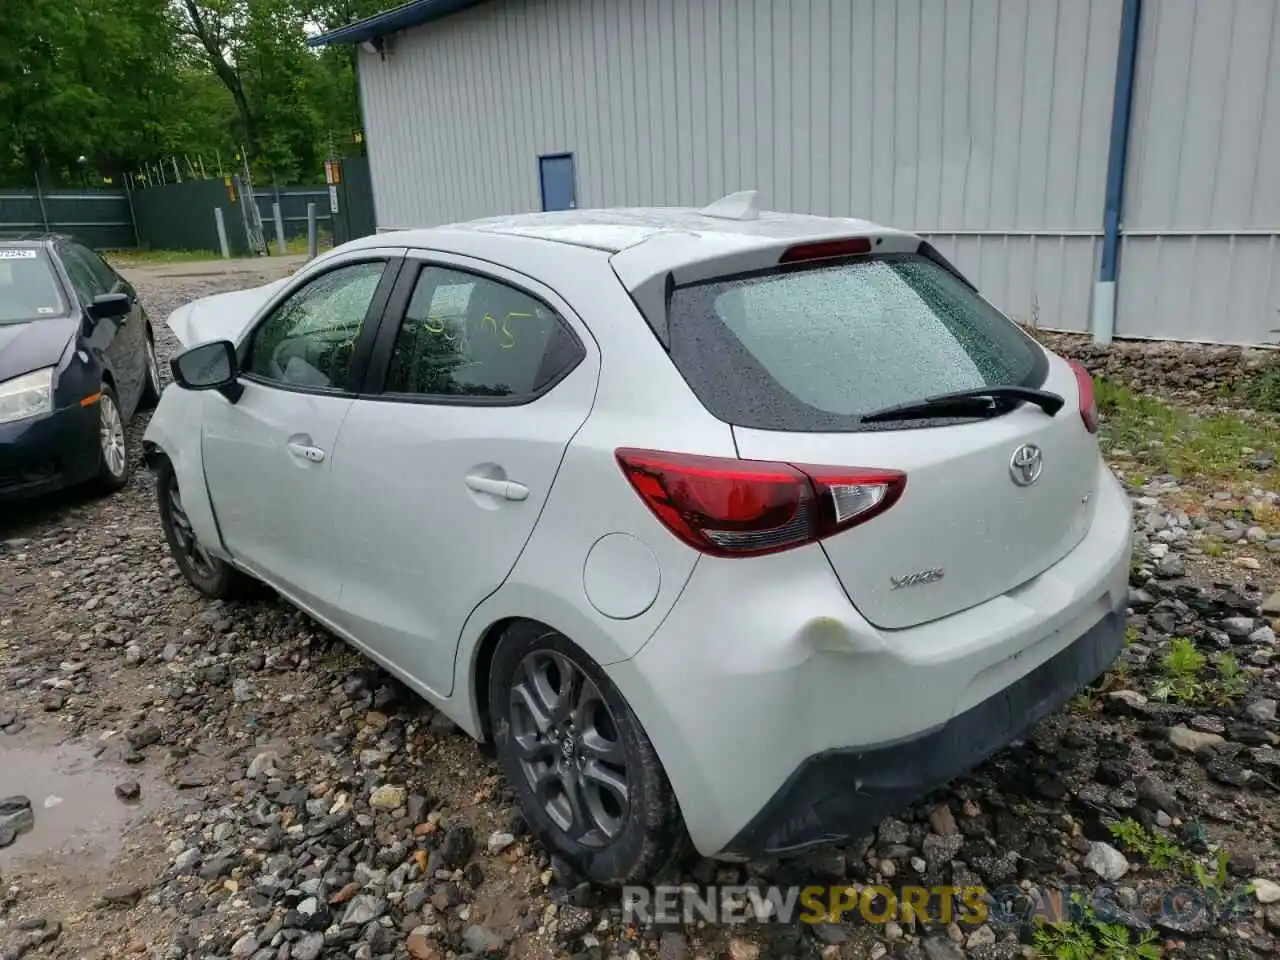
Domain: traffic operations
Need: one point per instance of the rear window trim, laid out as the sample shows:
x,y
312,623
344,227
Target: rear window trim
x,y
824,422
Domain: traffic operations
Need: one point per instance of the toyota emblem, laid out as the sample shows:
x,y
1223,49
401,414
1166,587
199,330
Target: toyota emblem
x,y
1026,464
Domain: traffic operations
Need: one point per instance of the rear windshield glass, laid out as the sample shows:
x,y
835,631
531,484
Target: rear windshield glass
x,y
815,348
28,288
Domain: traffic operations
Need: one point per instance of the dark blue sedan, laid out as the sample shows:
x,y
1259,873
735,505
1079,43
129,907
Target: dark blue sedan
x,y
77,359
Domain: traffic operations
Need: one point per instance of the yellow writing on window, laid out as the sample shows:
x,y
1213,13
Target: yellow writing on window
x,y
437,325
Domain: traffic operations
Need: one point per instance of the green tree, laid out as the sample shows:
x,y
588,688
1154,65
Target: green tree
x,y
81,80
96,88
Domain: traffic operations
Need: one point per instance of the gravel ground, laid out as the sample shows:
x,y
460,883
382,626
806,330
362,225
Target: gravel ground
x,y
212,780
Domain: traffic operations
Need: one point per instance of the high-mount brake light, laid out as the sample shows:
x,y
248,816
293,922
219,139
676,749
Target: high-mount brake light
x,y
826,250
737,508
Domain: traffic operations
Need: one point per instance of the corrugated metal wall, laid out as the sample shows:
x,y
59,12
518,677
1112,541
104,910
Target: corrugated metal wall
x,y
1200,258
982,123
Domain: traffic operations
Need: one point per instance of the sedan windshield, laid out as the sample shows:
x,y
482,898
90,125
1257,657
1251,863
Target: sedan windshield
x,y
28,288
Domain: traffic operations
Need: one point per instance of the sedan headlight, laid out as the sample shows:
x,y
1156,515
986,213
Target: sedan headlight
x,y
27,396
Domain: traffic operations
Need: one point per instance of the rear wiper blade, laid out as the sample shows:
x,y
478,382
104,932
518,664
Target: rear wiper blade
x,y
979,402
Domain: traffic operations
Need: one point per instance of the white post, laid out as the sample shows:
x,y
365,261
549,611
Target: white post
x,y
312,233
280,245
222,233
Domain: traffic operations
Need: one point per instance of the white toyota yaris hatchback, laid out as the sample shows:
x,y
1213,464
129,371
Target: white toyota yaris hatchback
x,y
742,525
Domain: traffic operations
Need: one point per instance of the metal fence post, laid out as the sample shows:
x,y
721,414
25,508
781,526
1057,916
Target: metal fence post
x,y
279,215
312,231
44,214
222,233
133,214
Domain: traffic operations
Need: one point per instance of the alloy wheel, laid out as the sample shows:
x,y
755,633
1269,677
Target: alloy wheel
x,y
111,435
569,748
202,565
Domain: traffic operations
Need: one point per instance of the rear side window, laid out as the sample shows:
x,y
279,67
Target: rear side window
x,y
464,335
816,347
29,290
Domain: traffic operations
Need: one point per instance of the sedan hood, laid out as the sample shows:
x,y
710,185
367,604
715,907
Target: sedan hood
x,y
29,346
222,316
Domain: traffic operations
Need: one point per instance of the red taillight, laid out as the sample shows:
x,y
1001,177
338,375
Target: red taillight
x,y
826,249
1088,403
740,508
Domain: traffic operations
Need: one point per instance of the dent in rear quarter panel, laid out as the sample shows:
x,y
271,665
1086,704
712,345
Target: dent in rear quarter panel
x,y
175,428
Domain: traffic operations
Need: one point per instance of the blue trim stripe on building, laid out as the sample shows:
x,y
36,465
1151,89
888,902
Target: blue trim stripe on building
x,y
1126,64
406,15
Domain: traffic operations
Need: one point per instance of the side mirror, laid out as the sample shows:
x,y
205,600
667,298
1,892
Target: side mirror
x,y
206,366
110,306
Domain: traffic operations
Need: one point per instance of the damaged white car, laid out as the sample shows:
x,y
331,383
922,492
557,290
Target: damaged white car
x,y
744,526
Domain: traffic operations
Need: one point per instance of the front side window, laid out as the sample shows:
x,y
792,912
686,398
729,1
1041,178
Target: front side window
x,y
105,277
310,338
29,290
464,335
82,280
88,281
815,348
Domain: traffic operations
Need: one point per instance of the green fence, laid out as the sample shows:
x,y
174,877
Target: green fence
x,y
97,218
178,216
293,209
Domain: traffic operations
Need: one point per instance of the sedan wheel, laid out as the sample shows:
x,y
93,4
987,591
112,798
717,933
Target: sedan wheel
x,y
113,470
210,575
203,565
588,779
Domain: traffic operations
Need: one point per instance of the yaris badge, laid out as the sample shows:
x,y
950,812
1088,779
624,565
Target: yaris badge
x,y
1026,464
917,578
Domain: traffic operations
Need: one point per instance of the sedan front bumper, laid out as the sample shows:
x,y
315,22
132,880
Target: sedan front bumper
x,y
49,452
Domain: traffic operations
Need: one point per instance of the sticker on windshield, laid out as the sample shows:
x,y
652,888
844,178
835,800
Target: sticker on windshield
x,y
11,254
45,310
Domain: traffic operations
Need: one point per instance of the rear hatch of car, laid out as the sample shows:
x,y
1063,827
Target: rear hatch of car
x,y
807,362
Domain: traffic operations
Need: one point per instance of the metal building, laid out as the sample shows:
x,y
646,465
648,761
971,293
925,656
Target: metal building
x,y
1091,164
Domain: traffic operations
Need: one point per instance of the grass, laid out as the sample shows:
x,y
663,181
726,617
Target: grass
x,y
148,258
1086,937
1094,940
1183,677
1262,392
1180,673
1157,849
1167,439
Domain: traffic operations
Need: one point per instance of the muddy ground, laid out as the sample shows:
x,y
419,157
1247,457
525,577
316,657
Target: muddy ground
x,y
210,780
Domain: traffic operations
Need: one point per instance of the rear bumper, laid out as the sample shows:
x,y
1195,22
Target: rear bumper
x,y
49,452
844,793
778,711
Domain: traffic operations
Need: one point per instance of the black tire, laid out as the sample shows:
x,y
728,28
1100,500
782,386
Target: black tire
x,y
114,467
151,386
211,576
648,832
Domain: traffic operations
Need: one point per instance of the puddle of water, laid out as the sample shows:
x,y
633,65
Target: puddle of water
x,y
73,800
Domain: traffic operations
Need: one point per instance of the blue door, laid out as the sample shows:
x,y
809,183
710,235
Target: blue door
x,y
558,191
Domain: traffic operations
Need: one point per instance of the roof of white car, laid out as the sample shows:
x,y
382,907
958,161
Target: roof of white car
x,y
734,221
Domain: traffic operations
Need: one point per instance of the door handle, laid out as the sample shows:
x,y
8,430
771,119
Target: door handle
x,y
314,454
507,489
